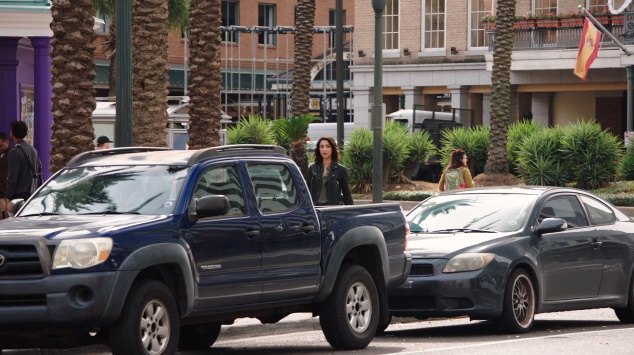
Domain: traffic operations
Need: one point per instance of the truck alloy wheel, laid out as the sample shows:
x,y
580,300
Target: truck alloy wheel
x,y
350,316
149,322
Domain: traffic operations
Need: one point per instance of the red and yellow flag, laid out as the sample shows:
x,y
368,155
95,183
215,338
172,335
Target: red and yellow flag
x,y
588,49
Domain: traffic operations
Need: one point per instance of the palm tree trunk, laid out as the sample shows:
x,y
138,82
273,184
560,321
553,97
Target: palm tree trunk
x,y
149,60
73,71
300,91
205,74
501,87
110,47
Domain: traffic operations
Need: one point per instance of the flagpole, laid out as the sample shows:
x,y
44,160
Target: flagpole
x,y
603,29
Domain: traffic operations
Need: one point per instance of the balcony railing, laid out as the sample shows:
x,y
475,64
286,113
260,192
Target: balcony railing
x,y
554,38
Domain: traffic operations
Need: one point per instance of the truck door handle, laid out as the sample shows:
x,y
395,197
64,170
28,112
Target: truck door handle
x,y
307,227
252,233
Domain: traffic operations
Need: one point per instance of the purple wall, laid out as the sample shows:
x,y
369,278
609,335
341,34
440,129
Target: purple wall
x,y
25,67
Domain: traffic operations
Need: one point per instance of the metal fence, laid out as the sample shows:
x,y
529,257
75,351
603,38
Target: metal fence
x,y
554,38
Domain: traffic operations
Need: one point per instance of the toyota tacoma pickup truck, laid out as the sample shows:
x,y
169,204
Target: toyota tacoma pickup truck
x,y
152,250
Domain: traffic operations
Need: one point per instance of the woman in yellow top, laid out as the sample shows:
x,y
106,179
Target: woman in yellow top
x,y
457,174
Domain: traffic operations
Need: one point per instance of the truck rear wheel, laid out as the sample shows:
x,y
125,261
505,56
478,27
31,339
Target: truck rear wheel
x,y
198,336
350,316
149,322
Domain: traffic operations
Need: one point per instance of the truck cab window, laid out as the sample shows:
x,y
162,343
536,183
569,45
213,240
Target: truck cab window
x,y
223,180
274,188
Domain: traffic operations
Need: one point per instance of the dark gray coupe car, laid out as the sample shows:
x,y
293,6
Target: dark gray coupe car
x,y
506,254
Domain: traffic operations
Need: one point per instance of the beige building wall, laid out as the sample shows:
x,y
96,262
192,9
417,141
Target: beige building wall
x,y
569,107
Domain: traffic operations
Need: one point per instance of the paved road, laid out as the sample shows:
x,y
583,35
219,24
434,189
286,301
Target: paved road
x,y
579,332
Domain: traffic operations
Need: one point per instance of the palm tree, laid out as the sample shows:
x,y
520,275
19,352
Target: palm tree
x,y
497,163
205,18
295,129
300,91
73,71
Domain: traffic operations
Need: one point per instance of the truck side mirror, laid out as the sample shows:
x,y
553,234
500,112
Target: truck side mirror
x,y
212,205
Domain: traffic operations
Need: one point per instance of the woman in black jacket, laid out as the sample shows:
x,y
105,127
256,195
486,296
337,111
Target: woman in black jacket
x,y
328,180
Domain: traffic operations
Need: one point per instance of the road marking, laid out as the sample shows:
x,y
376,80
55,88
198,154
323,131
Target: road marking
x,y
508,341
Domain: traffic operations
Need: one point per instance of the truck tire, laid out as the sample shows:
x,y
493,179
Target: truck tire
x,y
149,322
350,315
198,336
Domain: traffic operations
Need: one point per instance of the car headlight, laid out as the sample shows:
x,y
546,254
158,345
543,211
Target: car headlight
x,y
468,262
82,253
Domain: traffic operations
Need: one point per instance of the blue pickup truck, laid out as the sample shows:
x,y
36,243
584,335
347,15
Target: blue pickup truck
x,y
152,250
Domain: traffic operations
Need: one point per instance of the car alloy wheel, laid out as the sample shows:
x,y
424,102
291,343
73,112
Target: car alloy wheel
x,y
523,300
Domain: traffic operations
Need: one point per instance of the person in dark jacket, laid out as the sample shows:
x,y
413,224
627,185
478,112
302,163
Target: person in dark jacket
x,y
4,172
328,180
24,163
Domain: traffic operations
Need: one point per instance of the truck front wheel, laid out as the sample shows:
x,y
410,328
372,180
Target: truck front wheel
x,y
350,316
149,322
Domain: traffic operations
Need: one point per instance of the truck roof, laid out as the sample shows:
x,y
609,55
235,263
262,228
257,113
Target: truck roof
x,y
165,156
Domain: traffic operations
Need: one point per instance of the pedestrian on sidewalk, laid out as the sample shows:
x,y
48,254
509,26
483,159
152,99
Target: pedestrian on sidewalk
x,y
25,169
103,142
328,180
457,174
4,173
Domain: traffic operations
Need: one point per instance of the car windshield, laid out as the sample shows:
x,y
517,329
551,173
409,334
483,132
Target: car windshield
x,y
470,213
140,189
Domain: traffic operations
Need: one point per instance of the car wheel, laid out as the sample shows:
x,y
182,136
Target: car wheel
x,y
626,314
518,312
198,336
350,316
149,322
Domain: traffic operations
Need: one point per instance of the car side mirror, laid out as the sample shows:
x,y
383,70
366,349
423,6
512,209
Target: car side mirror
x,y
551,225
211,206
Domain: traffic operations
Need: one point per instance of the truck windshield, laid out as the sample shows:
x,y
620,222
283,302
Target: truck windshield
x,y
148,190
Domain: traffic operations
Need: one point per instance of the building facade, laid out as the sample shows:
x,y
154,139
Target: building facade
x,y
25,87
438,55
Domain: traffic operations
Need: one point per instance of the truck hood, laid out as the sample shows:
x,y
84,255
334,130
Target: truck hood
x,y
447,244
61,227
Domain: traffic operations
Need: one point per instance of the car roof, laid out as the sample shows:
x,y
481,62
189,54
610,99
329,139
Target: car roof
x,y
164,156
524,190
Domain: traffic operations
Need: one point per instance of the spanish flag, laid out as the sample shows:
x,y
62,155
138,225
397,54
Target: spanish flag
x,y
588,49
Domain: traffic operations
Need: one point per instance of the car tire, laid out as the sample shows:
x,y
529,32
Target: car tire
x,y
149,321
626,314
518,312
350,316
380,330
198,336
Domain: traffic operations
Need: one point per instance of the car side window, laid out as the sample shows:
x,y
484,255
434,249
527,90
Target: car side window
x,y
566,207
223,180
598,212
274,188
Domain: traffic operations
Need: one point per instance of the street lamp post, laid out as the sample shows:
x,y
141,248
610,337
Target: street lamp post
x,y
123,121
377,108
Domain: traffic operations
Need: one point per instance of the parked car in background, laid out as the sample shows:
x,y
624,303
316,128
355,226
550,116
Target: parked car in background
x,y
506,254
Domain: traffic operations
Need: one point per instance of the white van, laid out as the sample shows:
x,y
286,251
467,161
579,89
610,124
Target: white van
x,y
414,119
328,129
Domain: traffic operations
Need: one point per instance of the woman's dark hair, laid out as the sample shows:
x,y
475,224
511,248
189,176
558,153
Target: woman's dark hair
x,y
333,145
456,159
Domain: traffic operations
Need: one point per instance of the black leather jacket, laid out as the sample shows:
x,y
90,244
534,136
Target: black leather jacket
x,y
337,186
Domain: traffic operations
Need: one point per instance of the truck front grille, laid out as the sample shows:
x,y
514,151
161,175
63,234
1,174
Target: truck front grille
x,y
19,260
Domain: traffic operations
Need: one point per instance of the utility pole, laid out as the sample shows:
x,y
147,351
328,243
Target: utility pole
x,y
123,121
377,108
339,71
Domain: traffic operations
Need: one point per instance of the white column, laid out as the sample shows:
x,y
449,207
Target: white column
x,y
540,107
362,107
486,110
460,99
413,96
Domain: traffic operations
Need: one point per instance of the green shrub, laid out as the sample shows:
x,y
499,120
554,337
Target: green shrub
x,y
541,161
408,195
621,199
626,165
421,146
592,153
252,130
396,150
357,157
518,132
474,141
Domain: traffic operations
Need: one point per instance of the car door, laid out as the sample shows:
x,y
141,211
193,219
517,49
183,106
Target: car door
x,y
616,247
571,261
290,237
226,248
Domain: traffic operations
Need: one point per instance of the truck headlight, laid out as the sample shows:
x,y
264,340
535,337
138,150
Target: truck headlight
x,y
468,262
82,253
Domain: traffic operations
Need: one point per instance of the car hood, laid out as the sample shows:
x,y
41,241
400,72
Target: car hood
x,y
446,244
61,227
